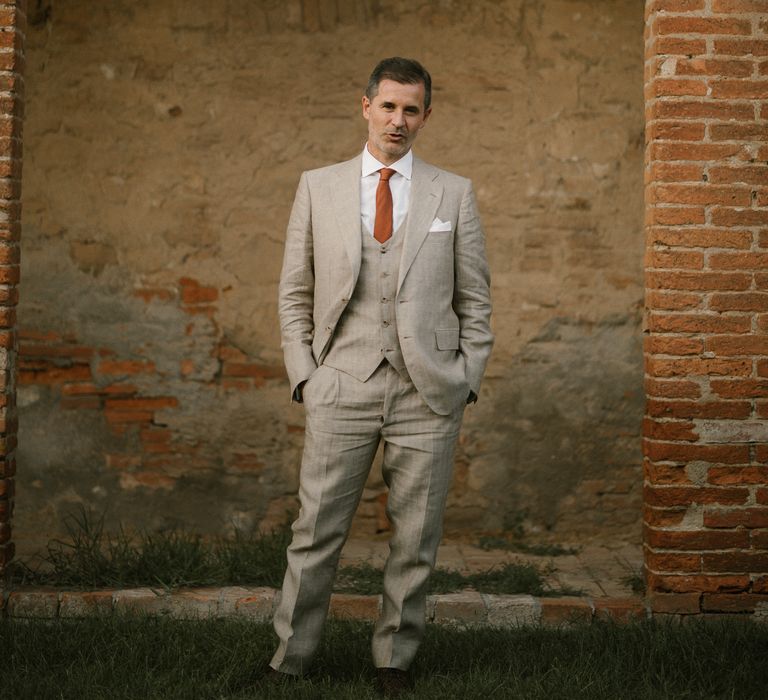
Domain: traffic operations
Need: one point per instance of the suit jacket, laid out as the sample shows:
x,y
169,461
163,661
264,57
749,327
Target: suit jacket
x,y
443,301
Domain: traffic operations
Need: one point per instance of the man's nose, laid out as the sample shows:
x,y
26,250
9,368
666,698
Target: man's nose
x,y
398,118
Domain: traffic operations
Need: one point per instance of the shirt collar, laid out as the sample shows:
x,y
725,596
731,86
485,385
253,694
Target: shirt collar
x,y
404,166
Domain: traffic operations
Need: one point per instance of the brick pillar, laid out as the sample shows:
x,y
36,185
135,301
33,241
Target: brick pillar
x,y
706,348
12,25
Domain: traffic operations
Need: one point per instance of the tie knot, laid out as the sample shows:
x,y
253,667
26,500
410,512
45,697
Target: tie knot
x,y
386,173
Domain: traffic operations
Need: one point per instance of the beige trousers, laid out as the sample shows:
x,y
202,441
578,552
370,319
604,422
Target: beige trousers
x,y
345,420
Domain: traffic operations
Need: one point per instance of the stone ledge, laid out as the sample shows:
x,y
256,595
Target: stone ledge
x,y
466,608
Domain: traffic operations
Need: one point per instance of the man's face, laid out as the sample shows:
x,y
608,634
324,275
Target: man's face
x,y
395,116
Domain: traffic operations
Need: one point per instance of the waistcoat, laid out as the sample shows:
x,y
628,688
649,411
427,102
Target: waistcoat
x,y
366,333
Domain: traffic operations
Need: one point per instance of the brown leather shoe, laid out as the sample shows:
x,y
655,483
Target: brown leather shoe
x,y
393,682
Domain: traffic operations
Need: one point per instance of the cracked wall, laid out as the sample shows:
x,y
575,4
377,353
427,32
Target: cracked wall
x,y
163,144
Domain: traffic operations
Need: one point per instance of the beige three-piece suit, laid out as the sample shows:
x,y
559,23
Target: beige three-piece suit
x,y
391,339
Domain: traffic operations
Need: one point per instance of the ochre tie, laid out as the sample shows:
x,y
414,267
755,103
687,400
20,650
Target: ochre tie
x,y
382,227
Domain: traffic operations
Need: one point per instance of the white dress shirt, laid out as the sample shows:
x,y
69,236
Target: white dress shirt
x,y
399,185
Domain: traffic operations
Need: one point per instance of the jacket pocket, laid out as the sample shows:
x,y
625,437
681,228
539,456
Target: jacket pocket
x,y
447,338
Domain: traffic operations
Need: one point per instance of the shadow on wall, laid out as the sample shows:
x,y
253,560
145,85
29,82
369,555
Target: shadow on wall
x,y
557,437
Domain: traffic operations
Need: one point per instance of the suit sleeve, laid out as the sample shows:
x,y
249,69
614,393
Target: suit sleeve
x,y
472,297
297,289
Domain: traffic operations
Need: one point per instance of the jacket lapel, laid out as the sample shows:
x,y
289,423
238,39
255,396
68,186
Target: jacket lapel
x,y
345,195
426,193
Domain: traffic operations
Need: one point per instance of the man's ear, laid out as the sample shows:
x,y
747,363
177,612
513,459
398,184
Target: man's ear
x,y
427,112
366,107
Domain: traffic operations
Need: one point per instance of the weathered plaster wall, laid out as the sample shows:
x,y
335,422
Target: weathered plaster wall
x,y
163,144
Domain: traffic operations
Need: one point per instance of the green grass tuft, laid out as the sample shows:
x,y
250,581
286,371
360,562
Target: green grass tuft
x,y
90,558
124,658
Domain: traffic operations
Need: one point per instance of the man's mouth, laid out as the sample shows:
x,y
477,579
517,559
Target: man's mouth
x,y
396,136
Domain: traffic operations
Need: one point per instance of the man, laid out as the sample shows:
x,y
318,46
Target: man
x,y
384,311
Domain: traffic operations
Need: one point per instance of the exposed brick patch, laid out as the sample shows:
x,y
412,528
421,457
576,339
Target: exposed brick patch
x,y
12,28
710,316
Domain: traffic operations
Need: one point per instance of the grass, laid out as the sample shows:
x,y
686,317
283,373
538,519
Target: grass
x,y
90,558
127,658
508,579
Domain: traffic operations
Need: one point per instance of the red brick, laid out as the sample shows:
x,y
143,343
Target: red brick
x,y
677,131
710,67
737,475
665,474
737,345
194,293
6,488
121,416
750,174
674,5
669,430
740,388
760,585
664,517
676,172
672,389
684,496
762,368
697,583
694,366
689,109
664,345
566,610
670,451
689,151
737,132
704,193
733,517
70,352
738,261
695,409
741,47
145,403
56,375
126,367
673,301
697,540
759,539
726,216
736,602
251,369
736,562
675,603
704,281
673,87
619,609
675,216
761,496
698,323
701,25
9,274
148,294
671,46
739,301
674,259
739,6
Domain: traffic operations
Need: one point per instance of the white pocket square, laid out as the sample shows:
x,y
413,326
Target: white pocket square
x,y
442,226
